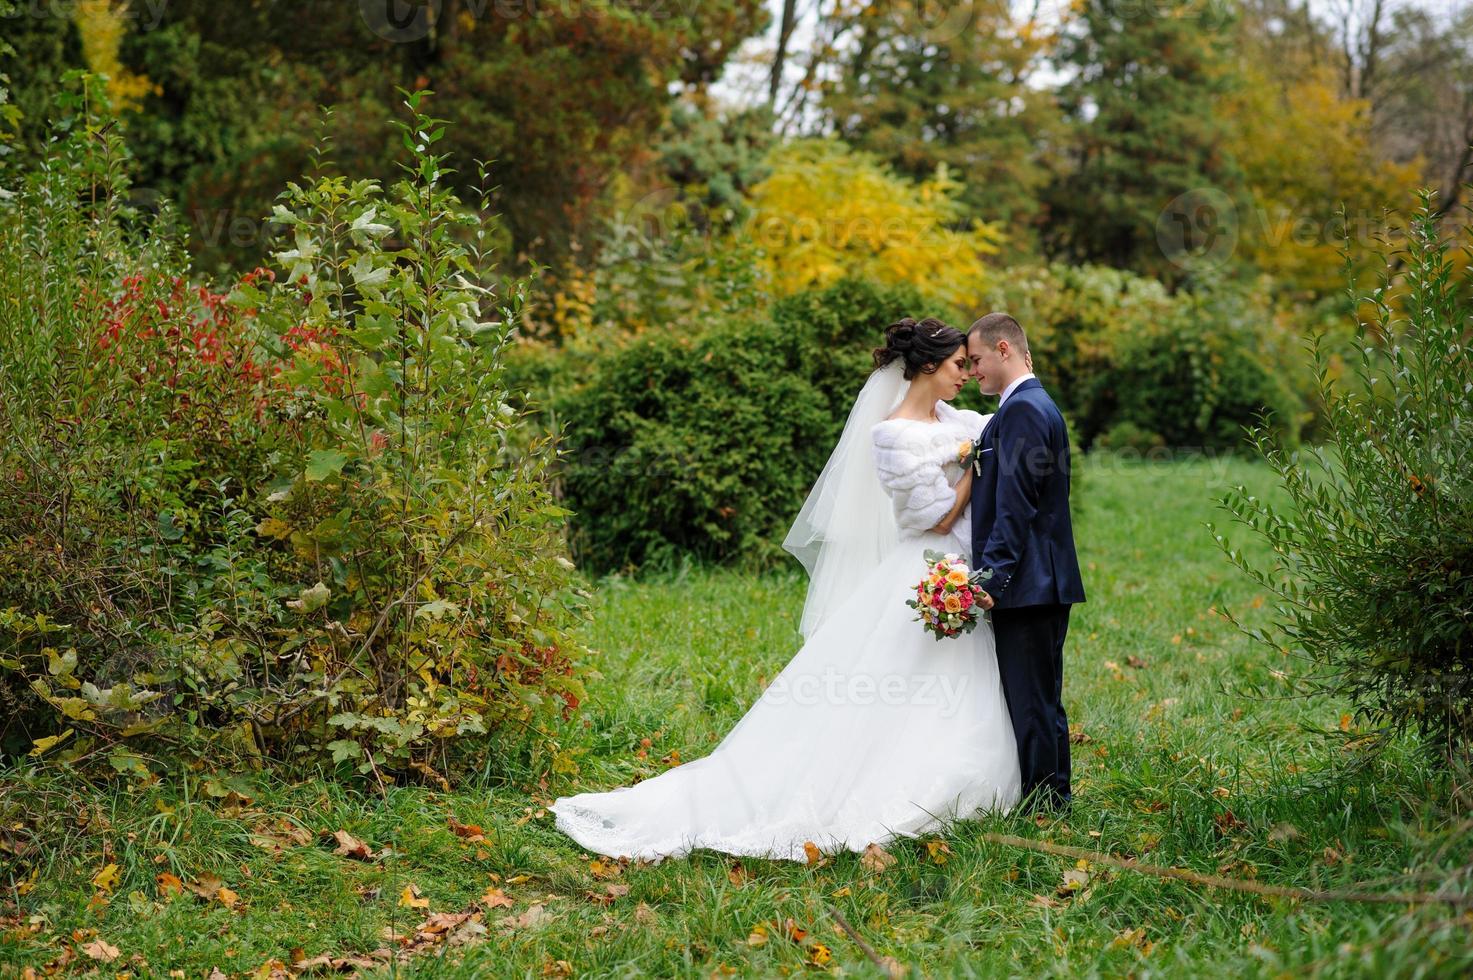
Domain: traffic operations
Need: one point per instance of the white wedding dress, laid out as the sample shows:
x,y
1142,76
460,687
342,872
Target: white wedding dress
x,y
874,729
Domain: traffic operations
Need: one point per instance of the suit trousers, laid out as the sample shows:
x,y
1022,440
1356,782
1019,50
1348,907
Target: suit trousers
x,y
1030,659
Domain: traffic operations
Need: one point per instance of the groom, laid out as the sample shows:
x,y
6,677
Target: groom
x,y
1021,531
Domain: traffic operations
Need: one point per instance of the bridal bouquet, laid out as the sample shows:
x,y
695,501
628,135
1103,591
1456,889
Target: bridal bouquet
x,y
947,600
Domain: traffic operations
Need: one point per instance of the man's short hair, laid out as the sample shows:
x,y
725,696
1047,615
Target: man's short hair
x,y
999,326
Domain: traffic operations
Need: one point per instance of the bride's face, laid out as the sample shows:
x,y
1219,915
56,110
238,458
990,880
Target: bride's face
x,y
951,374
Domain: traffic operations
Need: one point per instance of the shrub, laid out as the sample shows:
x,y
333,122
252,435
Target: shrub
x,y
705,444
1373,556
300,522
1199,378
1195,368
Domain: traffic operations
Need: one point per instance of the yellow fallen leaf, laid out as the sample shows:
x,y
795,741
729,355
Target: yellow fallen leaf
x,y
106,879
410,898
227,897
938,850
758,936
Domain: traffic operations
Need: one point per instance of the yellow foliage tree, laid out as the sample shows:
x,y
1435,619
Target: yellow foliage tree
x,y
1305,151
827,211
101,25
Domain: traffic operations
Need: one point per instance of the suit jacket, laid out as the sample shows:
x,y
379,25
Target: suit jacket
x,y
1021,528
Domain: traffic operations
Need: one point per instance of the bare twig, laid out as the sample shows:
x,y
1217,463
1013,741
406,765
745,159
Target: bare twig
x,y
1232,884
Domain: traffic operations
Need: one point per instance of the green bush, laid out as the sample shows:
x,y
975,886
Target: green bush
x,y
705,445
298,521
1199,378
1193,368
1373,567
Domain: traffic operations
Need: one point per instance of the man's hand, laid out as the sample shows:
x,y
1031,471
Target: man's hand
x,y
987,602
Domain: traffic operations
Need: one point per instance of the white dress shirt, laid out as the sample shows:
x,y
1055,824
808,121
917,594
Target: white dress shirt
x,y
1011,388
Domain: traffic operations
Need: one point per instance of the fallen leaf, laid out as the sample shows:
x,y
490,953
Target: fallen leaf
x,y
738,875
1136,662
496,898
811,852
1227,822
875,858
644,915
757,938
106,879
535,915
169,884
604,869
410,898
227,897
1127,938
939,851
1074,879
350,846
102,950
471,832
819,954
206,887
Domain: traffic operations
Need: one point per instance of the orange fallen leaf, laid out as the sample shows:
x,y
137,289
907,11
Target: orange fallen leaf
x,y
812,853
170,884
496,898
470,831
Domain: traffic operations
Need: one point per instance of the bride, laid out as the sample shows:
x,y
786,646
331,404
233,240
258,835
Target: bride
x,y
874,730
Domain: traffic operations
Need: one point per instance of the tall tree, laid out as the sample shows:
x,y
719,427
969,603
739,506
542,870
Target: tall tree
x,y
1307,150
1147,138
923,83
560,98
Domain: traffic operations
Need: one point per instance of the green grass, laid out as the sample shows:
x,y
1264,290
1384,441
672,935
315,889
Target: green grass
x,y
1171,750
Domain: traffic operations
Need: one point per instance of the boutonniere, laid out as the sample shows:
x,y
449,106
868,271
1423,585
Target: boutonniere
x,y
976,459
964,452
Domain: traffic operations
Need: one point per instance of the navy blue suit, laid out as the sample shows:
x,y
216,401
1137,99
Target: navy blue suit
x,y
1022,532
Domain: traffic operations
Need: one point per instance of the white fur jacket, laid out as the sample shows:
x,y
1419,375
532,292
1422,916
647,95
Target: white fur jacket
x,y
919,461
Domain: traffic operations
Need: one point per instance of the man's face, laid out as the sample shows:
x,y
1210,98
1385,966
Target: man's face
x,y
987,364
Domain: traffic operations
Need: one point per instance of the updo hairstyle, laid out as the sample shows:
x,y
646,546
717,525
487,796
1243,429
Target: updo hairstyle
x,y
922,345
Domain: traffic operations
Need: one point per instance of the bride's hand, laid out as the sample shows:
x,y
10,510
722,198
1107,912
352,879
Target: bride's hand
x,y
963,488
